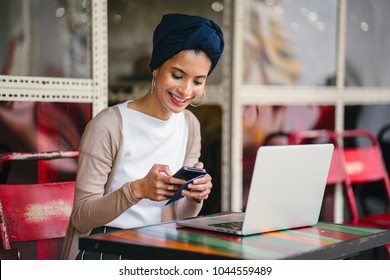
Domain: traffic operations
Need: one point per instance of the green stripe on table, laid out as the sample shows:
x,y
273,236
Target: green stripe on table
x,y
359,231
241,250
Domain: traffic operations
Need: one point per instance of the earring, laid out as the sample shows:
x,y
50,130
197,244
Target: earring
x,y
153,84
201,102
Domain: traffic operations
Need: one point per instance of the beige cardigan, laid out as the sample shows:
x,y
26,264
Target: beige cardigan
x,y
100,151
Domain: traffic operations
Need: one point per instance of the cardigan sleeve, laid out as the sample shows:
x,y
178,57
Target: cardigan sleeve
x,y
94,205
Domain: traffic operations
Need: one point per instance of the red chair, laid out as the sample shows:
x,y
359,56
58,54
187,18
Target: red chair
x,y
352,166
337,173
36,212
364,164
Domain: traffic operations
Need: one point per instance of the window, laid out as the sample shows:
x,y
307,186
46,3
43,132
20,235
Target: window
x,y
289,42
45,38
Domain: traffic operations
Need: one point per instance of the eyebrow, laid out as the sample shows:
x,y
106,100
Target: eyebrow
x,y
183,72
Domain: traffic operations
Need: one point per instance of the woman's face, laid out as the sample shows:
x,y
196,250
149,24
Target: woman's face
x,y
181,79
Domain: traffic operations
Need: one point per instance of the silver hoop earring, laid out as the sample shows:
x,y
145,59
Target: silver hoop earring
x,y
152,86
201,102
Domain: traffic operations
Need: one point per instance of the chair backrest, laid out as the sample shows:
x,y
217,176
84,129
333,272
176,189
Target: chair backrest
x,y
38,211
337,171
364,161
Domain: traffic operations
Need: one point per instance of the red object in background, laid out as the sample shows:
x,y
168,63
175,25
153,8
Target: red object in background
x,y
357,165
38,127
36,212
35,127
365,164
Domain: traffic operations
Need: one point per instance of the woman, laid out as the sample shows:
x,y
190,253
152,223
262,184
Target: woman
x,y
128,151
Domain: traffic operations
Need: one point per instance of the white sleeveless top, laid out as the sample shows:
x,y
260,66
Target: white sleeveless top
x,y
147,141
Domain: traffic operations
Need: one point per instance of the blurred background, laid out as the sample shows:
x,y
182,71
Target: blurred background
x,y
288,65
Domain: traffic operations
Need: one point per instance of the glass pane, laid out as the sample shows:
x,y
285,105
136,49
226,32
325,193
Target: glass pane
x,y
367,43
39,127
130,30
45,38
289,42
370,117
271,125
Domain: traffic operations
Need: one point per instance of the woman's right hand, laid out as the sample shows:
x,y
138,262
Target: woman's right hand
x,y
157,185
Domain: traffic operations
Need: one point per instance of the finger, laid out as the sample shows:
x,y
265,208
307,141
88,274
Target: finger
x,y
166,193
164,169
199,165
202,193
175,181
202,180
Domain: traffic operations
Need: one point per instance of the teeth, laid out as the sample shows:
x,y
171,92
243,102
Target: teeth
x,y
177,98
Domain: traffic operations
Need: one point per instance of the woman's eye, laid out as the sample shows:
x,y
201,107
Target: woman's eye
x,y
176,76
197,83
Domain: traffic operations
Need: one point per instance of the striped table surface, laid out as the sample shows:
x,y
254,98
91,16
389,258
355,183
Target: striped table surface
x,y
169,241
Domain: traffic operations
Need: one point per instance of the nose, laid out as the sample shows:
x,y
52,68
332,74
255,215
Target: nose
x,y
186,89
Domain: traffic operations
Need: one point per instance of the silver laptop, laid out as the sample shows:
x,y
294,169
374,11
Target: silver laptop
x,y
287,189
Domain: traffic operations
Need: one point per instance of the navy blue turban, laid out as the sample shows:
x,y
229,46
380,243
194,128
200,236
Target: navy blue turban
x,y
177,32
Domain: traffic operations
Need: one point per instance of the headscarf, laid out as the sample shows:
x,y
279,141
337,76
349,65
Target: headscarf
x,y
177,32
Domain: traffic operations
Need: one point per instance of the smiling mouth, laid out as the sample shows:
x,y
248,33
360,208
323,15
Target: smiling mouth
x,y
177,99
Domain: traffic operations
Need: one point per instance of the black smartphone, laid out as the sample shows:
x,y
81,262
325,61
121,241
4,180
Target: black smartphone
x,y
188,174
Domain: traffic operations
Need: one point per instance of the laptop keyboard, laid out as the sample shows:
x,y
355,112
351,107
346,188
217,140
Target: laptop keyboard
x,y
229,225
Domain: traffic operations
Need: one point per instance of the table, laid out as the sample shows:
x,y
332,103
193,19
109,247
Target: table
x,y
169,241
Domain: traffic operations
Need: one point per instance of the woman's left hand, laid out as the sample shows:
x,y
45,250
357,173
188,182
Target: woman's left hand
x,y
199,189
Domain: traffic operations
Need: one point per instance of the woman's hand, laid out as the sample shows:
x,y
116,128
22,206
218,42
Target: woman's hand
x,y
199,189
157,185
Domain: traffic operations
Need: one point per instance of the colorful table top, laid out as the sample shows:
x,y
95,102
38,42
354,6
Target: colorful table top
x,y
169,241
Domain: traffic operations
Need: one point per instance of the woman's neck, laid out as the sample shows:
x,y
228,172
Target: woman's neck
x,y
150,105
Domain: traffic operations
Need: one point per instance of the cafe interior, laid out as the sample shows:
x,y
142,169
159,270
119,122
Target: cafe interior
x,y
293,72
